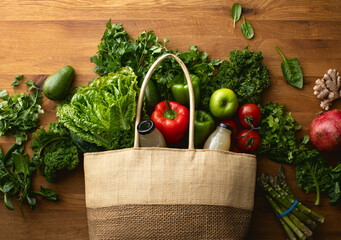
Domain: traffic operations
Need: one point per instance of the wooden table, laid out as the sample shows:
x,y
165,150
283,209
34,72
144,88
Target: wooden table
x,y
39,37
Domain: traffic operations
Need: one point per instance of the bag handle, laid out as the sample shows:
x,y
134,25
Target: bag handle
x,y
191,99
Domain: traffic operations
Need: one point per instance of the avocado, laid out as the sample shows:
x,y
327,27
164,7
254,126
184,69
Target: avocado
x,y
57,85
151,96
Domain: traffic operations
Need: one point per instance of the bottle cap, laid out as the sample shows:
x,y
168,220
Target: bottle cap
x,y
228,127
145,127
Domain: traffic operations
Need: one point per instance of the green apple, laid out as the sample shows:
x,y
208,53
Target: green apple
x,y
223,103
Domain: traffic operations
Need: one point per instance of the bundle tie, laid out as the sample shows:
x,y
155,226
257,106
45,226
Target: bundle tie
x,y
289,210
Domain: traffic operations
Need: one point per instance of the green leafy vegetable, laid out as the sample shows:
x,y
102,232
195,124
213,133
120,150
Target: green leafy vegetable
x,y
334,191
16,179
169,71
247,29
278,133
54,151
19,112
236,12
47,193
278,130
117,50
291,70
17,79
312,172
245,74
104,112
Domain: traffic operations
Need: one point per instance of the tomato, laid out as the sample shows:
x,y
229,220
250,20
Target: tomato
x,y
235,149
248,140
250,111
234,125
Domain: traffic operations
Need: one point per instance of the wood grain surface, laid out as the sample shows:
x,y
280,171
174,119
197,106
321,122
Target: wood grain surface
x,y
37,37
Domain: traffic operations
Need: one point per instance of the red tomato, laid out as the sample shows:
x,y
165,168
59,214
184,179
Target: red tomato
x,y
233,124
248,142
235,149
251,111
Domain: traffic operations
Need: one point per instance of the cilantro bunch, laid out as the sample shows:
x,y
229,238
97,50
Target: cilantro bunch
x,y
19,113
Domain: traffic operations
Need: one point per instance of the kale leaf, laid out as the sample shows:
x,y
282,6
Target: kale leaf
x,y
245,74
54,151
312,172
334,191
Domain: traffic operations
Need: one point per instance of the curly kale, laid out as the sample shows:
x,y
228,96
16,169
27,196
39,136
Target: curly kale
x,y
54,151
245,74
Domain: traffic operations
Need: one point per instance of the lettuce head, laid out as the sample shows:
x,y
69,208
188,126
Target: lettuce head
x,y
104,112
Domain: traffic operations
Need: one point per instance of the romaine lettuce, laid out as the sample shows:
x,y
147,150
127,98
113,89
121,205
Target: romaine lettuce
x,y
104,112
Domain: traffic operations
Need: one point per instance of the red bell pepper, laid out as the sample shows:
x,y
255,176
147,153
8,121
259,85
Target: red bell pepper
x,y
171,119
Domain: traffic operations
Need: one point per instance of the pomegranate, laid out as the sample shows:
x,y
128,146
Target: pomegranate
x,y
325,131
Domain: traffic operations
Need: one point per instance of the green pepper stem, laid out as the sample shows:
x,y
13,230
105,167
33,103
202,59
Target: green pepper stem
x,y
169,113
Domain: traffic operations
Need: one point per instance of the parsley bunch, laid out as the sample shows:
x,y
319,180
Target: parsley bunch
x,y
278,131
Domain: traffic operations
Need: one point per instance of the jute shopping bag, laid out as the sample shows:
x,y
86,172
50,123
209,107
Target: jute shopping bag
x,y
168,193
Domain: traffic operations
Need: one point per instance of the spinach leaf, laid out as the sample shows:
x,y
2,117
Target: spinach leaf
x,y
291,70
236,12
16,179
32,202
21,164
247,29
48,193
8,202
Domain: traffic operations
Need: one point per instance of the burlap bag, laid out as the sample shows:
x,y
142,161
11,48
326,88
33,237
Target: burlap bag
x,y
164,193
